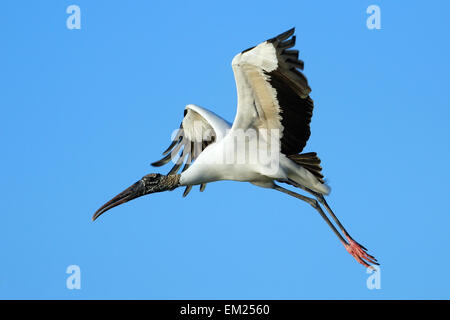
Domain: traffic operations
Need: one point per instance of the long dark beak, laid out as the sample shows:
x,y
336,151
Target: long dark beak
x,y
135,191
151,183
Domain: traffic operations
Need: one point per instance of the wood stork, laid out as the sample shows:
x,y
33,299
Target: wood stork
x,y
275,107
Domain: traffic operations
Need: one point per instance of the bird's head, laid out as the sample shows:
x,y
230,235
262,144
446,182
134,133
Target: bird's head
x,y
151,183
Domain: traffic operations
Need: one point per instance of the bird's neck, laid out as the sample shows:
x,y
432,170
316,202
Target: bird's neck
x,y
168,182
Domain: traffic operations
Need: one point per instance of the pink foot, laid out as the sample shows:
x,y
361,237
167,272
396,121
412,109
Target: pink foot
x,y
359,253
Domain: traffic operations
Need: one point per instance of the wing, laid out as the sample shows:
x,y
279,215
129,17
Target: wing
x,y
273,93
199,129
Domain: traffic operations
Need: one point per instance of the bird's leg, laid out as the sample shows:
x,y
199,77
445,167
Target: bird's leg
x,y
321,199
315,204
358,251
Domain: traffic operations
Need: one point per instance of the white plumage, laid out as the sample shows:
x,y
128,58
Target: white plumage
x,y
212,165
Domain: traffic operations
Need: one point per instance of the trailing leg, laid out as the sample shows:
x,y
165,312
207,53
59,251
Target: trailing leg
x,y
358,251
315,204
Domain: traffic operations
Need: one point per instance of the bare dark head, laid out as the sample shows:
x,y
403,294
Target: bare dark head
x,y
151,183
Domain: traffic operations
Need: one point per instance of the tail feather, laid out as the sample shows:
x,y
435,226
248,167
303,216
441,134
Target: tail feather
x,y
311,162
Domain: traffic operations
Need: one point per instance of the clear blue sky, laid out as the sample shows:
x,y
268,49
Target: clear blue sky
x,y
85,111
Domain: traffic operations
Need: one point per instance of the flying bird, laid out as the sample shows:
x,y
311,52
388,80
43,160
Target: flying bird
x,y
264,144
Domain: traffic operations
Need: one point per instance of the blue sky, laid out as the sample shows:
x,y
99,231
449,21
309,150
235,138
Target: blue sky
x,y
85,111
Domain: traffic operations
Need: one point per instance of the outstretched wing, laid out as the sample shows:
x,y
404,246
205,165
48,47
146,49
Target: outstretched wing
x,y
199,129
273,93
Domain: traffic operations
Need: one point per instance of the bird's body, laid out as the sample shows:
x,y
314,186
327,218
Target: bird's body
x,y
212,163
264,144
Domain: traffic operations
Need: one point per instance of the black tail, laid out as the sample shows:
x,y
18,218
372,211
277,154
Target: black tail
x,y
310,161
